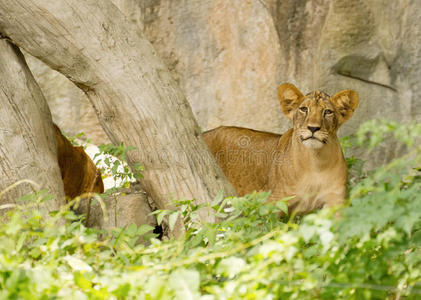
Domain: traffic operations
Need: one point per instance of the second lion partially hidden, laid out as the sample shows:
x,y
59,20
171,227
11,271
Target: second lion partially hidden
x,y
78,171
306,161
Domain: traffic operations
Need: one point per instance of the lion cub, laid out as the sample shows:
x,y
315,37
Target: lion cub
x,y
78,171
306,162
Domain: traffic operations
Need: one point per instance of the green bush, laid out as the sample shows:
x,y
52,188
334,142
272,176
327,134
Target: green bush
x,y
370,249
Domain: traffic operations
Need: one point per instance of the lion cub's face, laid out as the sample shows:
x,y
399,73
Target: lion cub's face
x,y
316,117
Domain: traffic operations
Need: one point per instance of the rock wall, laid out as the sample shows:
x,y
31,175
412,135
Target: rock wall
x,y
229,57
370,46
225,55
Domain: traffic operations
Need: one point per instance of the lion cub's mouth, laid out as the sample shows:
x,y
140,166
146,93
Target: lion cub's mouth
x,y
313,138
313,142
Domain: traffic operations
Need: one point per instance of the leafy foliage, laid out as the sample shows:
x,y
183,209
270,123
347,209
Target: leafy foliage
x,y
370,249
116,165
112,160
79,140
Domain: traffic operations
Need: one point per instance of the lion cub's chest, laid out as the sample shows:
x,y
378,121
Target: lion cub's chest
x,y
314,190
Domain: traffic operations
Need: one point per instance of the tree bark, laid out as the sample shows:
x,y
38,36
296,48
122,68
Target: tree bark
x,y
27,141
136,99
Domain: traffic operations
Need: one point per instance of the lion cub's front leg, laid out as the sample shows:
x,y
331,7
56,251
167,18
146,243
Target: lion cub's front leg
x,y
333,199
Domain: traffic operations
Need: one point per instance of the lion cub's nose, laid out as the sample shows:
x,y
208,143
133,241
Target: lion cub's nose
x,y
313,129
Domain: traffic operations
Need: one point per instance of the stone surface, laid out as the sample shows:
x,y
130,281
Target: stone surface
x,y
230,56
121,210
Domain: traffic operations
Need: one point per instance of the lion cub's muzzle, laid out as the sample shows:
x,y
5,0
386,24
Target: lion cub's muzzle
x,y
313,137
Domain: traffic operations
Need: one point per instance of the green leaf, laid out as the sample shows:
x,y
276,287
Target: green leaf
x,y
81,281
144,229
35,253
132,229
21,240
185,283
307,231
77,264
231,266
416,238
122,291
218,199
48,197
27,198
211,235
138,175
282,206
161,216
264,210
156,288
173,219
114,169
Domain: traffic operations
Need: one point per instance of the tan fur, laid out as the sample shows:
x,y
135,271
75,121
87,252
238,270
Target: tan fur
x,y
302,163
78,171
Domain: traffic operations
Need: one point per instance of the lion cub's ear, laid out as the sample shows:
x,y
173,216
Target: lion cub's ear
x,y
345,103
290,98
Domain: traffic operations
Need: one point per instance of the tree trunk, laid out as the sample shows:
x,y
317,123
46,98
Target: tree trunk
x,y
27,141
136,99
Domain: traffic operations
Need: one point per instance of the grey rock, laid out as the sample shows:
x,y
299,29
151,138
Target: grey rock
x,y
121,209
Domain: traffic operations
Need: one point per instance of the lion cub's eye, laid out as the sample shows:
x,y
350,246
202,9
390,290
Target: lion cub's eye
x,y
304,109
328,112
